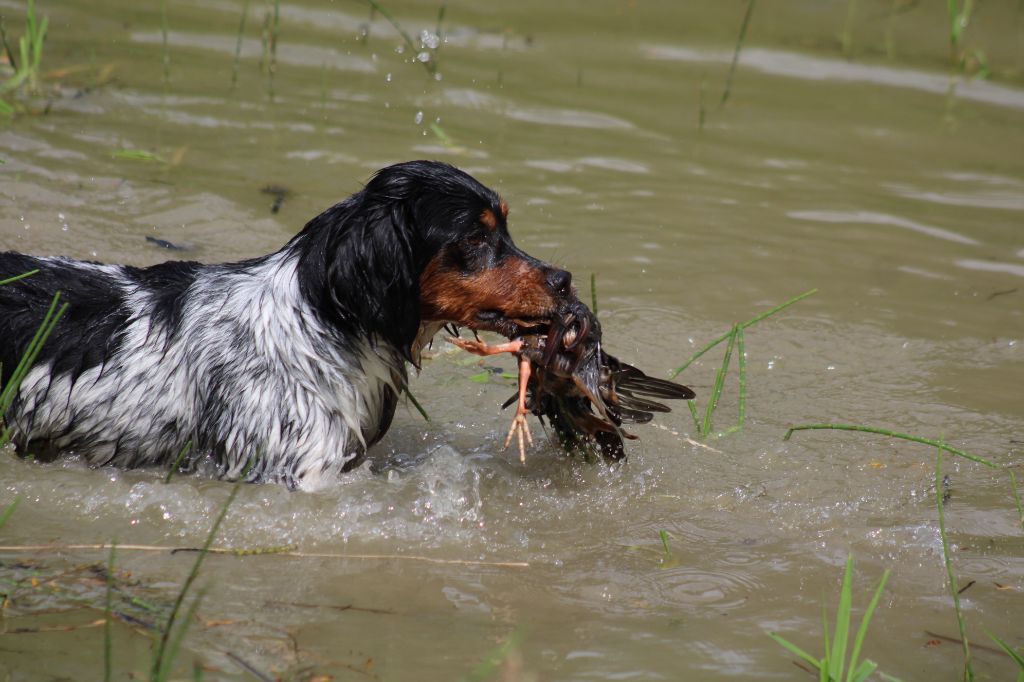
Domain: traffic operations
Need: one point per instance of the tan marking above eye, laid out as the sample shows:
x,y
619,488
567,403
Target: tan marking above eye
x,y
488,219
504,209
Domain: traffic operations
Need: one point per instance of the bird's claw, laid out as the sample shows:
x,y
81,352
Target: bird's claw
x,y
521,429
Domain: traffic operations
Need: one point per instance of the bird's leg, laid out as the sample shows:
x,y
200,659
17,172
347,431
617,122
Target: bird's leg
x,y
480,347
520,426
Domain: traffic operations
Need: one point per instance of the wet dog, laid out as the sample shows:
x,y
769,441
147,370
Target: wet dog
x,y
281,368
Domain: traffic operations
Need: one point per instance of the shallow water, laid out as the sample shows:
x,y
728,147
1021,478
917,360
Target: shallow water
x,y
856,176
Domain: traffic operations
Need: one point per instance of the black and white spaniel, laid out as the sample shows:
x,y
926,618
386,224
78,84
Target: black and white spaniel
x,y
289,364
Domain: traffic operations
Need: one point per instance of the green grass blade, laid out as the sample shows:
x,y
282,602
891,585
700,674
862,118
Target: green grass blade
x,y
891,434
954,588
9,511
748,323
837,660
177,461
692,404
17,277
161,661
416,404
108,624
1016,498
862,631
179,636
716,392
741,354
593,293
1013,654
863,671
795,650
238,45
493,660
736,53
826,662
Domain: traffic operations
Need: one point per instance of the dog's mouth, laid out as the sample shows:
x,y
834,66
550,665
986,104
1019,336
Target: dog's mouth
x,y
510,327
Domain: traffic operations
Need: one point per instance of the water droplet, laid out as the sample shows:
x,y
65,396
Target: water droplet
x,y
771,364
419,117
400,49
423,57
830,367
387,78
60,216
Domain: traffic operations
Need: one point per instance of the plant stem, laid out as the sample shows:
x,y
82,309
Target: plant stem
x,y
744,325
736,52
954,589
892,434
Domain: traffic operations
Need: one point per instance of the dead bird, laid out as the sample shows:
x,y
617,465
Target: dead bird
x,y
585,393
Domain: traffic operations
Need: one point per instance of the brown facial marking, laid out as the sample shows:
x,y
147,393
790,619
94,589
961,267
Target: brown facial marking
x,y
488,219
515,288
504,209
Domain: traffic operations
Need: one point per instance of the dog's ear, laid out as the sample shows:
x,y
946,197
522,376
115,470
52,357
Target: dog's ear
x,y
358,268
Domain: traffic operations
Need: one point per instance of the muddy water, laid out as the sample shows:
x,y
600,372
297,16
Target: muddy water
x,y
858,176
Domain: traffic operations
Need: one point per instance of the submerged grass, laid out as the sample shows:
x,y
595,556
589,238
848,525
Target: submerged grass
x,y
495,659
834,661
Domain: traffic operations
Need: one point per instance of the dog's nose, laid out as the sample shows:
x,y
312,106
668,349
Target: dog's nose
x,y
559,280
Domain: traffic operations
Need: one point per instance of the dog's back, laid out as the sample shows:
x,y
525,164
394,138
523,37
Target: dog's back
x,y
147,360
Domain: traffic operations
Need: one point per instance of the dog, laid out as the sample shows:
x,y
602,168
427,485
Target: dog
x,y
283,368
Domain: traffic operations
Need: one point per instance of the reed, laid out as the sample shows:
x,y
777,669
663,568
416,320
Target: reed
x,y
238,45
493,660
1016,498
1012,653
834,661
954,589
9,511
430,65
28,358
167,51
716,391
416,404
742,325
108,625
176,464
892,434
846,39
170,639
30,55
736,52
593,293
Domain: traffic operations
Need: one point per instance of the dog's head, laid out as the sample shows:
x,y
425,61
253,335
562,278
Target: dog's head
x,y
427,242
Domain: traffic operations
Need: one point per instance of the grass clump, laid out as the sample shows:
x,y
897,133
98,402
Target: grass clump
x,y
834,663
26,65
